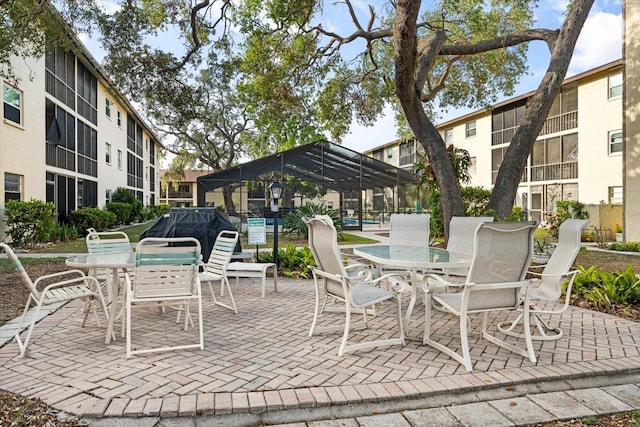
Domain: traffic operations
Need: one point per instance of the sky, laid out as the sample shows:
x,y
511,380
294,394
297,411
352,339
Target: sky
x,y
600,42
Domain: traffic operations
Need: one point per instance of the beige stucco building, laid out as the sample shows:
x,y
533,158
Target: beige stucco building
x,y
577,156
68,136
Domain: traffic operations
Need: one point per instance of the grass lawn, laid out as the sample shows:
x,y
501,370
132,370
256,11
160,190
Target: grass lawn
x,y
134,232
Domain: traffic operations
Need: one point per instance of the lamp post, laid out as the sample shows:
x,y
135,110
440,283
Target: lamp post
x,y
275,189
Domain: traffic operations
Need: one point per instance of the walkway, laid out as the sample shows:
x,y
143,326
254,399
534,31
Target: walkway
x,y
260,367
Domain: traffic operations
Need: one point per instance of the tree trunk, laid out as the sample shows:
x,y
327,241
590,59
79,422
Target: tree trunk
x,y
228,200
404,40
538,107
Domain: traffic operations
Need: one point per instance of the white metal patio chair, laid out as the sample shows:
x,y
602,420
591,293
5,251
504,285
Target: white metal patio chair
x,y
496,278
103,242
166,274
59,287
215,270
462,231
407,230
354,291
548,284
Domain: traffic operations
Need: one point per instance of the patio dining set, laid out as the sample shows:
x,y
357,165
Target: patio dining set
x,y
485,267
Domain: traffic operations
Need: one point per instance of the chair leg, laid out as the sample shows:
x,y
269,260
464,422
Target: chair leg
x,y
347,326
231,307
317,310
464,341
546,332
400,328
23,345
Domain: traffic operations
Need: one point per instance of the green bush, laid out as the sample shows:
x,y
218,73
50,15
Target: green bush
x,y
292,262
96,218
565,209
65,233
475,199
30,222
607,289
121,210
123,195
293,223
624,246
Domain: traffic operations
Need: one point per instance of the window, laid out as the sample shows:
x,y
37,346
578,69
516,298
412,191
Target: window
x,y
107,195
12,187
615,195
107,154
472,166
119,159
389,153
470,128
12,101
119,115
107,107
615,86
448,136
615,143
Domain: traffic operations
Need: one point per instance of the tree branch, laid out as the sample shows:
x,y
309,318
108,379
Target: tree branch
x,y
549,36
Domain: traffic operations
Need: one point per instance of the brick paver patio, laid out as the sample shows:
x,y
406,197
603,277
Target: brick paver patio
x,y
263,359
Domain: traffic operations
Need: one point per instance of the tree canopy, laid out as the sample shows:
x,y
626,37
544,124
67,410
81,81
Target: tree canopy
x,y
259,76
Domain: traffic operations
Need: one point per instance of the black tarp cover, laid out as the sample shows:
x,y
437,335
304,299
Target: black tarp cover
x,y
203,224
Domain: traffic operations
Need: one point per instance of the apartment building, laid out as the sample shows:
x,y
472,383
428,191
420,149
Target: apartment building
x,y
68,136
578,154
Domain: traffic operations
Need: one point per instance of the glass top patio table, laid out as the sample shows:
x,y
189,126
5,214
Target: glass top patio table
x,y
413,258
420,257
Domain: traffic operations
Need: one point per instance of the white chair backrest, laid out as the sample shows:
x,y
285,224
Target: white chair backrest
x,y
166,267
222,251
409,229
26,280
107,241
462,231
562,258
323,242
502,254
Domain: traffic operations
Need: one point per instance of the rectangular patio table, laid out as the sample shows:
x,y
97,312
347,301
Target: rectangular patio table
x,y
413,258
114,261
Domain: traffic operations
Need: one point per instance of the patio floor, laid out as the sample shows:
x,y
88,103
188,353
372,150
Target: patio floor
x,y
262,359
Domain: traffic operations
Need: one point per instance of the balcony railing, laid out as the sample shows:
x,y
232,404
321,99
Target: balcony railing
x,y
554,171
503,136
180,195
560,123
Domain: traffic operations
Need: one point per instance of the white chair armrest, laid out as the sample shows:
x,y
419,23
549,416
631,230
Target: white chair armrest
x,y
433,281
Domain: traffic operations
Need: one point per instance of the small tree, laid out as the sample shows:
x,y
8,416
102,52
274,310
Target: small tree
x,y
293,223
30,222
123,195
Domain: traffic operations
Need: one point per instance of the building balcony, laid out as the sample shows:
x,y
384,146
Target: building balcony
x,y
554,172
560,123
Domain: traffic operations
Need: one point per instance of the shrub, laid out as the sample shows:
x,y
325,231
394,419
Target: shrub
x,y
293,223
625,246
292,262
96,218
607,289
121,210
123,195
475,199
30,222
565,209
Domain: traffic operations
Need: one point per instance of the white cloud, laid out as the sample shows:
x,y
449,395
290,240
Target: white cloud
x,y
600,42
362,138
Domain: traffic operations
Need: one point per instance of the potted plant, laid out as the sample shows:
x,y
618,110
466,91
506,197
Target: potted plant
x,y
619,235
542,249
